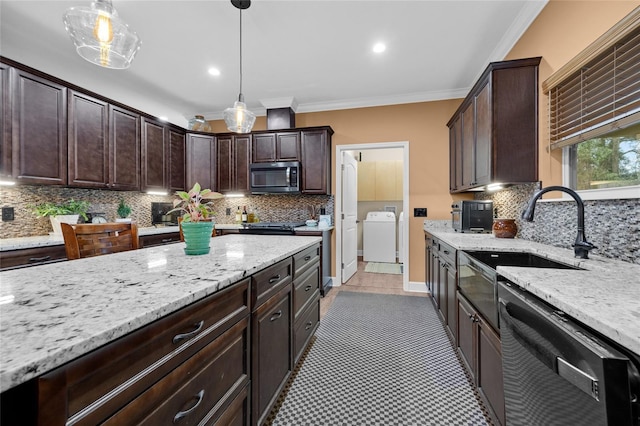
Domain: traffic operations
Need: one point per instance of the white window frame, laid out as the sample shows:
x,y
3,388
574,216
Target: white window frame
x,y
624,192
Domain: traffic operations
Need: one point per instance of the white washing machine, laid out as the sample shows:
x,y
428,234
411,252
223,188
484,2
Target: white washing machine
x,y
379,237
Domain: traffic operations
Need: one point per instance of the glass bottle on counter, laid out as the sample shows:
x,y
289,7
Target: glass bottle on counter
x,y
244,214
238,215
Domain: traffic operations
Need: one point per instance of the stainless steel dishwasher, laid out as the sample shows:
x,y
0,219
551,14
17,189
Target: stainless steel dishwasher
x,y
558,372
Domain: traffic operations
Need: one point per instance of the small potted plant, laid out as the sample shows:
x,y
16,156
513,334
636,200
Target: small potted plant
x,y
67,212
124,211
197,211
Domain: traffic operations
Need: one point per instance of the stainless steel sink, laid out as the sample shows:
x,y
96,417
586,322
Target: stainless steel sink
x,y
504,258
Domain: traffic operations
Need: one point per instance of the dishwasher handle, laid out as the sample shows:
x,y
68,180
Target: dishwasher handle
x,y
510,312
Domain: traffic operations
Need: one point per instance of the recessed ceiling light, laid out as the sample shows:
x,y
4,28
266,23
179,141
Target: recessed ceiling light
x,y
214,71
379,47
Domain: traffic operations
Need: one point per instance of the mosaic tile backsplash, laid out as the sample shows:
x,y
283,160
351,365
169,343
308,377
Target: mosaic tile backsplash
x,y
612,225
269,208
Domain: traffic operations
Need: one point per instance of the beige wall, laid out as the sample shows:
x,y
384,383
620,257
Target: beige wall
x,y
559,33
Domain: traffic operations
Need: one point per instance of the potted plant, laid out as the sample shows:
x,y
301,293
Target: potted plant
x,y
67,212
124,211
197,222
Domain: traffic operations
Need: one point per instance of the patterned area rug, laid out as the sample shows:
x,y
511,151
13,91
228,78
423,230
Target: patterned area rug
x,y
380,360
383,268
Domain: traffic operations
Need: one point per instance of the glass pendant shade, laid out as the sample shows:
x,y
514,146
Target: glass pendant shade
x,y
199,123
239,119
100,36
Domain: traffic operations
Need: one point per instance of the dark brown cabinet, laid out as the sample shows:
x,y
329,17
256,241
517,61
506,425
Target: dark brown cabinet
x,y
447,285
306,297
39,130
316,160
495,129
88,143
201,160
233,155
159,239
479,346
155,155
124,149
5,121
272,339
32,256
176,160
275,146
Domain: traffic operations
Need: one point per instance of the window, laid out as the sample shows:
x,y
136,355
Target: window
x,y
594,113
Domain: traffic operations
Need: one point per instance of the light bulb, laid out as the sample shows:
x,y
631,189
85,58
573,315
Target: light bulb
x,y
103,32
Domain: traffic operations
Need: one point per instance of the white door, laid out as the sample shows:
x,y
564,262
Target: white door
x,y
349,216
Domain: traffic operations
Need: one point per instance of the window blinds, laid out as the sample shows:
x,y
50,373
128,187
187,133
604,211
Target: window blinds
x,y
601,94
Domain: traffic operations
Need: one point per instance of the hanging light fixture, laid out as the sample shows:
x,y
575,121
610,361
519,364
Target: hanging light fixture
x,y
100,36
239,119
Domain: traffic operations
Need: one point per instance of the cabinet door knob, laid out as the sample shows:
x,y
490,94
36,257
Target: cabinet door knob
x,y
276,316
308,326
188,335
185,413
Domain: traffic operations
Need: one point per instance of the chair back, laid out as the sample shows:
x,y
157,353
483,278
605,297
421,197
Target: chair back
x,y
95,239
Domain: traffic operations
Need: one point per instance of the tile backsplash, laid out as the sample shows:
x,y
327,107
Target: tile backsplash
x,y
612,225
269,208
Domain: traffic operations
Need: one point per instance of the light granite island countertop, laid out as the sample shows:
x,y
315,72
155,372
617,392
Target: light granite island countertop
x,y
54,313
604,294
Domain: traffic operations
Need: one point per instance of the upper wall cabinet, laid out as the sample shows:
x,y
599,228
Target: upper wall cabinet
x,y
88,142
493,136
233,155
5,122
124,149
155,155
316,160
275,146
176,160
201,160
39,129
380,180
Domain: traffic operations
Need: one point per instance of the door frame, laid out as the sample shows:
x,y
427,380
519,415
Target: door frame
x,y
405,203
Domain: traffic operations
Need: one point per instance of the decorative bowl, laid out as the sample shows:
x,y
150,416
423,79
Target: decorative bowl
x,y
311,222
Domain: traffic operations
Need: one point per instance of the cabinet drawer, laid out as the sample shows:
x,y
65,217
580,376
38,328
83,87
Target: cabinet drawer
x,y
305,326
98,384
268,282
447,253
304,259
159,239
210,378
305,288
32,256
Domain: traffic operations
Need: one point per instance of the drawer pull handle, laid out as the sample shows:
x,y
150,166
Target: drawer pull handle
x,y
276,316
167,240
185,413
307,258
190,334
39,259
307,288
274,279
309,324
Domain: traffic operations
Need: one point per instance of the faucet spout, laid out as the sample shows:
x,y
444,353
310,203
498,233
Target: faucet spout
x,y
581,247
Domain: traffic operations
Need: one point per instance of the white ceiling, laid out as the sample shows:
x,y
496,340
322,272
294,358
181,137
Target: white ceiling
x,y
313,55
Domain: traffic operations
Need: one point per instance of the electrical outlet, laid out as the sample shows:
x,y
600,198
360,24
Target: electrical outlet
x,y
7,214
420,212
228,212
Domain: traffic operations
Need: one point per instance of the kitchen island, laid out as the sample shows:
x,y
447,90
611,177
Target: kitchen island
x,y
56,313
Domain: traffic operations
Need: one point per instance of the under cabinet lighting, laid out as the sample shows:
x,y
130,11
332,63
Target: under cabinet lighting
x,y
157,193
494,186
234,195
7,183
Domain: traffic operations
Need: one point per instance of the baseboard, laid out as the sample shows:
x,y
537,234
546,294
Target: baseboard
x,y
418,287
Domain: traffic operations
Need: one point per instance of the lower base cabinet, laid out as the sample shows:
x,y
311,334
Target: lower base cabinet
x,y
479,347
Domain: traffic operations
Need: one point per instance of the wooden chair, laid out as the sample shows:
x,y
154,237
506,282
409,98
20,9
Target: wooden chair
x,y
95,239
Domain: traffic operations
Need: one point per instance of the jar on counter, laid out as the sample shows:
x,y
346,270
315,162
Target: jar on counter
x,y
505,228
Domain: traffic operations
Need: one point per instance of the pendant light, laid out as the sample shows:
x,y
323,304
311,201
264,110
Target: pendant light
x,y
100,36
239,119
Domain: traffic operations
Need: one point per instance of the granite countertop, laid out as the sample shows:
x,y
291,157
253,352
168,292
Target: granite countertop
x,y
51,314
604,294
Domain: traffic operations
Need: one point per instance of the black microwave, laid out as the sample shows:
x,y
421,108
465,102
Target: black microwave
x,y
282,177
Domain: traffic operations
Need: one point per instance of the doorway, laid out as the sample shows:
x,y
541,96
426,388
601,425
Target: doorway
x,y
343,229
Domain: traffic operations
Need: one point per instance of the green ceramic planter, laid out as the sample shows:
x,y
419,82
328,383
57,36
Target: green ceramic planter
x,y
197,236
